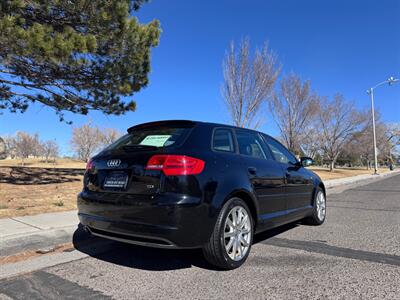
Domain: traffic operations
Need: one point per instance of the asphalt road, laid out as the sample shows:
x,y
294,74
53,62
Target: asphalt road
x,y
354,255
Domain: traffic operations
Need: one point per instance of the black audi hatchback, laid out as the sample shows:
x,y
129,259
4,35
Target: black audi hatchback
x,y
186,184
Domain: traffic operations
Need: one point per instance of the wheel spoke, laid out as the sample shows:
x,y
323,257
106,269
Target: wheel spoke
x,y
229,234
228,246
240,217
240,249
229,222
243,241
235,248
234,218
243,222
245,230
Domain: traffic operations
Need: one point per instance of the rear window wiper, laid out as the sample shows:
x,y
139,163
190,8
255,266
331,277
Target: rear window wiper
x,y
139,147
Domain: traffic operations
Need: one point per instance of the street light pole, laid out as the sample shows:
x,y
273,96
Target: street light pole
x,y
371,93
389,81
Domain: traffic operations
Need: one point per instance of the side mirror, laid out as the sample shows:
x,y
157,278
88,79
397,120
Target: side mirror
x,y
306,161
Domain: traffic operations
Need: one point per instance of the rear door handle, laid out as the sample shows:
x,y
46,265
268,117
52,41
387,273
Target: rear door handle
x,y
252,170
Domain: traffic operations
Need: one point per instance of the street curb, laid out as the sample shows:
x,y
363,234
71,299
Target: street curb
x,y
356,179
40,262
36,240
83,239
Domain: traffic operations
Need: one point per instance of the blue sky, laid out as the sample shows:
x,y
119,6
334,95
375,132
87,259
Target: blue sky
x,y
341,46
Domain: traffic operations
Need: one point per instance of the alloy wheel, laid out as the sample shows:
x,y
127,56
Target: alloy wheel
x,y
321,206
237,233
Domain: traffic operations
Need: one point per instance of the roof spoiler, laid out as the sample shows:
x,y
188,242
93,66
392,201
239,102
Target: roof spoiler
x,y
177,123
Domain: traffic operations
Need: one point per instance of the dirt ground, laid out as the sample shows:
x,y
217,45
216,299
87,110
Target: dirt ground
x,y
34,162
325,174
31,190
39,187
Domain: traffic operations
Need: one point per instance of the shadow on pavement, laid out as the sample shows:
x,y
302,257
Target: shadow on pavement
x,y
26,176
265,235
151,259
145,258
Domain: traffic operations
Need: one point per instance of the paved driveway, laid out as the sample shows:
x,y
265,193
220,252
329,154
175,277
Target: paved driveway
x,y
354,255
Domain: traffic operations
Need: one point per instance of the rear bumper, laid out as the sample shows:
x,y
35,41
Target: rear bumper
x,y
154,222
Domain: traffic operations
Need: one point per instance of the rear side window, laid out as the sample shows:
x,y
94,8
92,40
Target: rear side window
x,y
151,137
250,144
223,140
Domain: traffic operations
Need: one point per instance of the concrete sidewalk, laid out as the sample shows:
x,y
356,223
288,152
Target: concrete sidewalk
x,y
357,179
20,234
34,232
19,226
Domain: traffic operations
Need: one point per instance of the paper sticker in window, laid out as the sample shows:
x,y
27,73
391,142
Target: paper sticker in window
x,y
155,140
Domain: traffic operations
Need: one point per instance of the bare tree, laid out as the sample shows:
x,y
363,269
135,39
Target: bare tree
x,y
3,149
387,139
351,153
9,142
26,145
293,109
339,120
310,143
361,146
85,141
248,82
109,136
50,149
392,134
36,146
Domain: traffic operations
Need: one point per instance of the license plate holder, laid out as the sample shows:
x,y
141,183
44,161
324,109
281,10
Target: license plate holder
x,y
116,180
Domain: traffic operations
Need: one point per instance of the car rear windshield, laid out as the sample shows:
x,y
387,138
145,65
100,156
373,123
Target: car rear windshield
x,y
151,137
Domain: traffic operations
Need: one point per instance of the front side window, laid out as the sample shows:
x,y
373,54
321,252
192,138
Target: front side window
x,y
250,144
280,153
223,140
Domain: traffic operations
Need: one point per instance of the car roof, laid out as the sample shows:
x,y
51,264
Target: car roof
x,y
188,123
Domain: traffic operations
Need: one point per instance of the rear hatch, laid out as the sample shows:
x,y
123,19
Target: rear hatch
x,y
121,167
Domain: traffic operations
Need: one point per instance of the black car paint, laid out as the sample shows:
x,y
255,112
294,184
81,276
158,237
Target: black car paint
x,y
181,211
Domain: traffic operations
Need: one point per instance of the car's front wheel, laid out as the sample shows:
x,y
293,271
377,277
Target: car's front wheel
x,y
319,209
230,242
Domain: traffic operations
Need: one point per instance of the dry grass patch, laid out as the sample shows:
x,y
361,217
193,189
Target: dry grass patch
x,y
39,163
325,174
29,191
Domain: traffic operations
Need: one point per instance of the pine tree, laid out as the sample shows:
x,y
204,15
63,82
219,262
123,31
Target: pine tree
x,y
73,55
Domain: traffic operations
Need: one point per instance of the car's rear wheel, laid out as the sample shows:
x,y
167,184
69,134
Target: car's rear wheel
x,y
319,210
230,242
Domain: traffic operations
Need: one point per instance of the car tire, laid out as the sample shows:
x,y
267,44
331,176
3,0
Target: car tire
x,y
318,215
230,243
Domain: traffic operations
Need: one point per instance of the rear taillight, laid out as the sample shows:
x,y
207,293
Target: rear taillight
x,y
89,164
175,165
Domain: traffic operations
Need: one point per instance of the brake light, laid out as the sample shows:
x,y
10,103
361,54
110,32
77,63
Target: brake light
x,y
89,164
175,165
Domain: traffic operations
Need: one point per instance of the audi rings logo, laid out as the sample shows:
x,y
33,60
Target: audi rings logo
x,y
112,163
